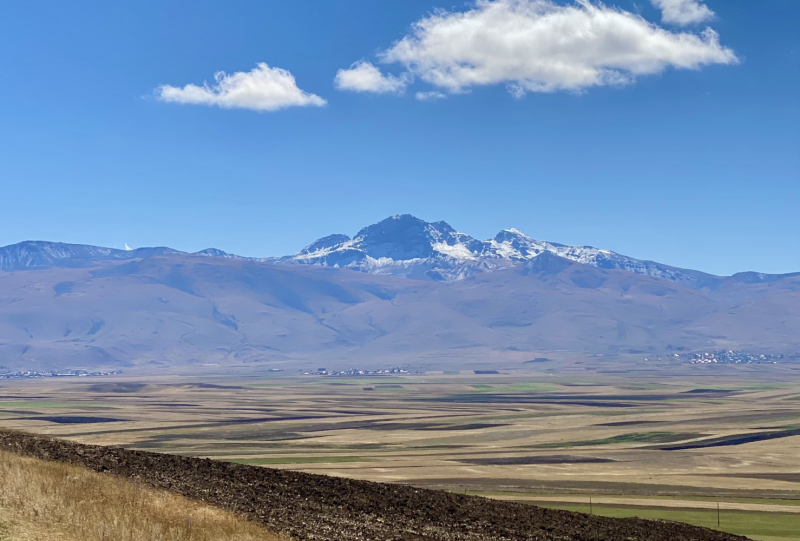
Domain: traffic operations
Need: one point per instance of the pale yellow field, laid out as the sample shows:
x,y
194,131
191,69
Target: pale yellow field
x,y
684,439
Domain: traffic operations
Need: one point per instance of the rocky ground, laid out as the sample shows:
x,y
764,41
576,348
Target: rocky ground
x,y
316,507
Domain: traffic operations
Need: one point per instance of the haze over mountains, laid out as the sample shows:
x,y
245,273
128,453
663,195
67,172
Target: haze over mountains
x,y
400,290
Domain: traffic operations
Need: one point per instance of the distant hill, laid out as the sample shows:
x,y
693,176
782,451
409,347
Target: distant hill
x,y
83,308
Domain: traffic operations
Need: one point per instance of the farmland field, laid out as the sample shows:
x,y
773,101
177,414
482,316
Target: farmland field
x,y
669,445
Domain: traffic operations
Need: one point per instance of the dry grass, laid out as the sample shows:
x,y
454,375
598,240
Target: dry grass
x,y
47,500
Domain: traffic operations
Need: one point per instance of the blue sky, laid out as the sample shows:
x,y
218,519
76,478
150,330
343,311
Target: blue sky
x,y
696,167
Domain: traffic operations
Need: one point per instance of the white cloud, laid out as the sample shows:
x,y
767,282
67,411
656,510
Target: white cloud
x,y
262,89
430,96
683,12
542,46
364,77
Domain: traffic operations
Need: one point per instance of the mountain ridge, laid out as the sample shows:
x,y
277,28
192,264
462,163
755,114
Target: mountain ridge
x,y
401,246
177,309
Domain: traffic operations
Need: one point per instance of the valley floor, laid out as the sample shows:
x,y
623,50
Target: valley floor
x,y
669,444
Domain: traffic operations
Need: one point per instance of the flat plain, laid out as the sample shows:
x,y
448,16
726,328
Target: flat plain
x,y
671,441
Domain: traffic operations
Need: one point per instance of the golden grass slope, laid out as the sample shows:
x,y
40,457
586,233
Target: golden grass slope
x,y
48,501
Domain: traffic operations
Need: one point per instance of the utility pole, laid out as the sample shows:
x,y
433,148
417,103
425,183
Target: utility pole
x,y
591,512
717,514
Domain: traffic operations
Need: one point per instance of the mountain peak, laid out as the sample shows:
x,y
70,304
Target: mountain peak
x,y
401,237
509,235
323,243
216,252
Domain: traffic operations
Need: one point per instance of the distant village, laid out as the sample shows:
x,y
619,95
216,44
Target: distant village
x,y
731,357
714,357
58,374
358,372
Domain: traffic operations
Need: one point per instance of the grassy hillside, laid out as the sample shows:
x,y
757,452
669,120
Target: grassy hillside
x,y
50,501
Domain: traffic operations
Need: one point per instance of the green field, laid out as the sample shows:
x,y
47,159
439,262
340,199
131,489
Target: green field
x,y
635,437
759,526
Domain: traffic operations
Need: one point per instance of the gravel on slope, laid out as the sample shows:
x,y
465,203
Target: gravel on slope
x,y
318,507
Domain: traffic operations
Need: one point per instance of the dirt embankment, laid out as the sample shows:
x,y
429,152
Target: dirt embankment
x,y
316,507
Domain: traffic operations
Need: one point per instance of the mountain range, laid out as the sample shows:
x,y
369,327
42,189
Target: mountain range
x,y
400,291
402,246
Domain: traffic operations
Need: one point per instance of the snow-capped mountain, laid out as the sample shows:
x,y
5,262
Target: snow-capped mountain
x,y
402,246
406,246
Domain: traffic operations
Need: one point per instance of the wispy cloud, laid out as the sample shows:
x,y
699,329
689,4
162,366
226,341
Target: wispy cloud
x,y
430,95
261,89
683,12
362,76
539,46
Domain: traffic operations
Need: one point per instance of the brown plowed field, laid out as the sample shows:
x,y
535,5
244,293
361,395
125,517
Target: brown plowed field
x,y
316,507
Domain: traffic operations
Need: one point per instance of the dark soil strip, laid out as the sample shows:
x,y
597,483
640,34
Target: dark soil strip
x,y
631,423
317,507
75,419
377,425
725,441
471,426
618,400
116,387
523,460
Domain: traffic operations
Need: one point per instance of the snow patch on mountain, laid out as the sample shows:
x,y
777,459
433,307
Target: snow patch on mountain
x,y
406,246
216,252
458,251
